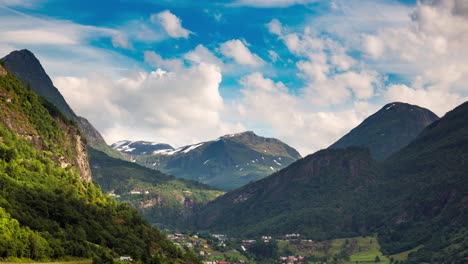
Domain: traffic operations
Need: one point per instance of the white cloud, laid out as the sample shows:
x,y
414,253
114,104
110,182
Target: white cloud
x,y
437,101
202,54
171,24
430,52
21,3
270,3
275,27
274,57
237,50
269,104
119,40
156,61
179,106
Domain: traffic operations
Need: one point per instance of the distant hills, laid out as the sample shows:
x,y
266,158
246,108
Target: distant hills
x,y
226,163
415,197
163,200
387,131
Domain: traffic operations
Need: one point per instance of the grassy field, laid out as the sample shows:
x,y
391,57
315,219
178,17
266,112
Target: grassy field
x,y
346,250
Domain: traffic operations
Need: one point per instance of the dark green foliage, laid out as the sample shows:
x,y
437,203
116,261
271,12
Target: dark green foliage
x,y
389,130
27,68
321,196
415,198
47,211
176,198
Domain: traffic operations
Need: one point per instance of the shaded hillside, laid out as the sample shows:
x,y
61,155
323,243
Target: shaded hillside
x,y
27,68
321,196
428,183
47,211
388,130
227,162
415,200
162,199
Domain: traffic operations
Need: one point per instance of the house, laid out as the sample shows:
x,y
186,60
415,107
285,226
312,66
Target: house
x,y
126,259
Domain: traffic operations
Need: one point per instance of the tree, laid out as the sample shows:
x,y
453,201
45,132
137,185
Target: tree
x,y
377,259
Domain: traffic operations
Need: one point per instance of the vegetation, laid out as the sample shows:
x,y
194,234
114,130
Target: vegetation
x,y
414,199
389,130
46,210
227,163
162,199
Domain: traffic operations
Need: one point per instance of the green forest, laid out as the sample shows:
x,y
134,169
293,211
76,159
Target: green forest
x,y
46,210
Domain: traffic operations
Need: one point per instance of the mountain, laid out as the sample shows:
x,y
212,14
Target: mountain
x,y
163,200
320,196
49,209
139,147
415,199
226,163
27,68
428,185
388,130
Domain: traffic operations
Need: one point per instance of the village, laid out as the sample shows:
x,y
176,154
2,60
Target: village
x,y
221,249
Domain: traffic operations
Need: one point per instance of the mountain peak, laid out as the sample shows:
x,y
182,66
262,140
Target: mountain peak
x,y
389,129
245,133
27,68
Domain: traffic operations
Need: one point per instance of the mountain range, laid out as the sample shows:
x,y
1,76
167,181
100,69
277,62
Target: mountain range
x,y
415,198
400,175
226,163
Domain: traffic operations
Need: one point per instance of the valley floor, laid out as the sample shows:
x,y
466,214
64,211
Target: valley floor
x,y
216,248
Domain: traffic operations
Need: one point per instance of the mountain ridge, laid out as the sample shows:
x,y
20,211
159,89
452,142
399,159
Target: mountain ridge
x,y
27,68
388,130
227,162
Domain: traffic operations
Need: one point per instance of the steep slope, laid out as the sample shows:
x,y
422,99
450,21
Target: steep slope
x,y
321,196
163,200
416,199
226,163
139,147
428,183
47,211
388,130
27,68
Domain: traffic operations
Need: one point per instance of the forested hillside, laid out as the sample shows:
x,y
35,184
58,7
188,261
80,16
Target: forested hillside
x,y
48,206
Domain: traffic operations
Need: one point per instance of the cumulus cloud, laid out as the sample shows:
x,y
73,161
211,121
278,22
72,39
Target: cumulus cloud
x,y
179,106
332,76
430,52
155,60
171,24
270,104
236,49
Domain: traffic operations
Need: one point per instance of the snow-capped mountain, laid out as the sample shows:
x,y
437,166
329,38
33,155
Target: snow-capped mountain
x,y
140,147
228,162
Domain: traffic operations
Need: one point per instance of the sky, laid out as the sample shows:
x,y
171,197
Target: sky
x,y
303,71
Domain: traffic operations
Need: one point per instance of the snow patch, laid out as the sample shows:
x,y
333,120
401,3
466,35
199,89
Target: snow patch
x,y
129,149
187,150
272,168
206,161
390,106
277,163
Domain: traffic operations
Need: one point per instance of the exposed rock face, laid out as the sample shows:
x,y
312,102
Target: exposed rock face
x,y
3,72
81,159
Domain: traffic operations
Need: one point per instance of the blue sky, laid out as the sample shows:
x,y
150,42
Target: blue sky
x,y
304,71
